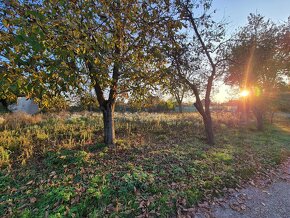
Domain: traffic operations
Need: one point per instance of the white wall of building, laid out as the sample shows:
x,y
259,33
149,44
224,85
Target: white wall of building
x,y
24,105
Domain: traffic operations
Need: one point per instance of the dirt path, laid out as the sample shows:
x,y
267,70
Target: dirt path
x,y
268,197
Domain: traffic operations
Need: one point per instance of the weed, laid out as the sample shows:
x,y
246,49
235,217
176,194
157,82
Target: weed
x,y
4,157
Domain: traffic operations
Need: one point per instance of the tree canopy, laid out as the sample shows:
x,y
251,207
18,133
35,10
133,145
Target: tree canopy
x,y
112,46
259,61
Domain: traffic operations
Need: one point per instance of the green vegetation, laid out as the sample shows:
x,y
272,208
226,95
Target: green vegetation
x,y
51,165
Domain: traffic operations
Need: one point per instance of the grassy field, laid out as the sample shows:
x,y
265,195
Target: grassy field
x,y
55,165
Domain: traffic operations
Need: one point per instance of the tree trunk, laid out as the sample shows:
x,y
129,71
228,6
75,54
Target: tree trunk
x,y
180,107
4,103
260,121
259,114
109,127
272,117
207,121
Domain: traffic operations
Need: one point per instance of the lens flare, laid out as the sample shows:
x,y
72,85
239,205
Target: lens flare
x,y
244,93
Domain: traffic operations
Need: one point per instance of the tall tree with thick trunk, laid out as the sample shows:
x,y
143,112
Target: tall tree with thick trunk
x,y
110,46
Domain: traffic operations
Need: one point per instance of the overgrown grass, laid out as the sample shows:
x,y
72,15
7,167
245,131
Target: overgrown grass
x,y
58,166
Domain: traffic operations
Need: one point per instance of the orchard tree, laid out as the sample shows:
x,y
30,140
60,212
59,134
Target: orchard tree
x,y
259,61
111,45
176,89
196,54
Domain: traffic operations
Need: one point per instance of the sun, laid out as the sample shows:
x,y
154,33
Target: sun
x,y
244,93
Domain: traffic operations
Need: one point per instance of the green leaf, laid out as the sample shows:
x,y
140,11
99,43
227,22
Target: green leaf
x,y
36,14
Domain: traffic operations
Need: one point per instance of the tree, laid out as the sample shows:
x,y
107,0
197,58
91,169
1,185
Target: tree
x,y
155,103
178,90
110,45
88,101
196,56
282,101
258,62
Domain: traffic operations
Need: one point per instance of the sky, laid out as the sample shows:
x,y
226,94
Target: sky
x,y
235,13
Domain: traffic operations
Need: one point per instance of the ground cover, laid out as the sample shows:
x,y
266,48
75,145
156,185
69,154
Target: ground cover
x,y
54,165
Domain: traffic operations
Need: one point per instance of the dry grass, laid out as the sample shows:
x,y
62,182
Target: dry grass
x,y
2,120
20,119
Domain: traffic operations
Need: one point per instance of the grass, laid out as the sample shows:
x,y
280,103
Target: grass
x,y
55,165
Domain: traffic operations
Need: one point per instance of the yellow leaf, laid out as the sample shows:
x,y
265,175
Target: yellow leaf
x,y
33,200
5,23
76,33
96,61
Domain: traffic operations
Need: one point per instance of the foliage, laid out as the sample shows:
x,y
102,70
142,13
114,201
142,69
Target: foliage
x,y
282,102
54,103
9,86
87,102
257,56
151,104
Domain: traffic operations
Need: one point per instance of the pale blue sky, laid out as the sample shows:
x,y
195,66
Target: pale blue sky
x,y
236,11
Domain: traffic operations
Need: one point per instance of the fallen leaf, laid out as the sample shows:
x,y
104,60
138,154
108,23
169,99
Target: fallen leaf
x,y
243,207
235,206
204,205
32,200
192,209
30,182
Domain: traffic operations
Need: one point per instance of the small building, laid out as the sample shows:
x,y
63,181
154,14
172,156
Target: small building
x,y
24,104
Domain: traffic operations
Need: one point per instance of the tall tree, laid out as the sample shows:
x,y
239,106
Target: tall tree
x,y
111,45
258,62
195,54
